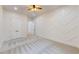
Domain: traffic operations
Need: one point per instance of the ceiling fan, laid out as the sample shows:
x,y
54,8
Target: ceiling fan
x,y
34,8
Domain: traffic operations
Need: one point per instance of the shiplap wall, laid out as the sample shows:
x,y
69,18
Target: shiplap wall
x,y
60,25
1,26
15,24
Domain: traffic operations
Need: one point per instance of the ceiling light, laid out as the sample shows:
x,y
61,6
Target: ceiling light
x,y
15,8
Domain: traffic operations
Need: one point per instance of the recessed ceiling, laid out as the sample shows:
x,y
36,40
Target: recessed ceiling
x,y
24,9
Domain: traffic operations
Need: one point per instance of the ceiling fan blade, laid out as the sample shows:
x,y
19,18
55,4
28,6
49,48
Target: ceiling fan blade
x,y
39,8
29,9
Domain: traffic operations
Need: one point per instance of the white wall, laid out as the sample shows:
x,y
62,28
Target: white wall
x,y
31,28
61,25
15,25
1,26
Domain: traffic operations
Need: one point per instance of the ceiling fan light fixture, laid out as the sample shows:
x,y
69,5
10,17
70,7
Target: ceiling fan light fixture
x,y
34,8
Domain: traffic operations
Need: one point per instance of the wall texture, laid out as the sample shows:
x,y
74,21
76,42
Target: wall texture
x,y
1,26
14,25
61,25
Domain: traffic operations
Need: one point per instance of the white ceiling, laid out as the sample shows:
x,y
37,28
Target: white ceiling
x,y
23,9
